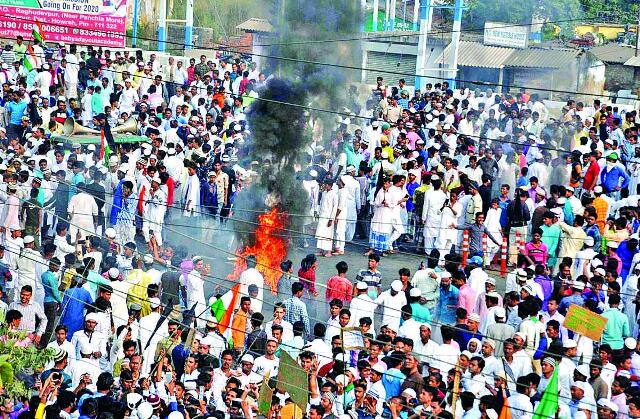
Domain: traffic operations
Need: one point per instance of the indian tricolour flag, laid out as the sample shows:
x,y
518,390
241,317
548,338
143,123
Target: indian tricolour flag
x,y
222,308
105,150
29,59
38,32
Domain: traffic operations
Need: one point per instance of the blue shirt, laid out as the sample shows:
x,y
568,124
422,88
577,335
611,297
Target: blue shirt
x,y
447,305
626,256
420,313
50,283
392,381
16,112
610,179
567,301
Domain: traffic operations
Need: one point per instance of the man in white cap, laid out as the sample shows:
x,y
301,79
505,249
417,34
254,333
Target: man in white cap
x,y
341,217
267,363
129,97
499,331
362,305
90,346
352,186
148,339
195,287
153,212
191,191
607,409
434,202
245,372
26,264
83,213
86,370
326,217
390,301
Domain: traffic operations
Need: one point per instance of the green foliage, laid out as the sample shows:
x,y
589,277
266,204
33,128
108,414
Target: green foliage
x,y
14,359
522,12
222,15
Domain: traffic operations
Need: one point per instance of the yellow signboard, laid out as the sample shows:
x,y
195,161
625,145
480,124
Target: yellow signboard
x,y
585,322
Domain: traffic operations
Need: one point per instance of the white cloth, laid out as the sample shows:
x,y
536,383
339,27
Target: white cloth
x,y
390,308
82,208
248,277
148,343
326,213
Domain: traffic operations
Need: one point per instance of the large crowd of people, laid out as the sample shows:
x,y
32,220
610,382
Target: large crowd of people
x,y
91,275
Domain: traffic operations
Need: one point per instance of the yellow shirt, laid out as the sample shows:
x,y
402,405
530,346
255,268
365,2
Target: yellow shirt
x,y
140,281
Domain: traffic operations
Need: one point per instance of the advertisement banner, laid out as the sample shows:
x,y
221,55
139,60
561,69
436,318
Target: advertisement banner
x,y
505,35
82,22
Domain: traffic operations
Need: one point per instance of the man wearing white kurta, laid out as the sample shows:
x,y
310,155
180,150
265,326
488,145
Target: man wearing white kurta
x,y
362,305
191,193
251,276
353,202
326,217
195,288
83,211
154,211
148,342
341,216
434,200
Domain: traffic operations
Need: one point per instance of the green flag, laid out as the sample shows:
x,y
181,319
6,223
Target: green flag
x,y
293,379
27,64
548,405
266,394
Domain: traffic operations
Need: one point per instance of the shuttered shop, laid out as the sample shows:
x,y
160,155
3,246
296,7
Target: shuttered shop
x,y
398,63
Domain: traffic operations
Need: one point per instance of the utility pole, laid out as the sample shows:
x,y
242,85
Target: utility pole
x,y
374,22
136,10
188,26
162,26
426,14
638,32
455,43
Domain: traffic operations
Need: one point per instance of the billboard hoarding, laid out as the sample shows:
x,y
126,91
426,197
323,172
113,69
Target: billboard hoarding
x,y
505,35
82,22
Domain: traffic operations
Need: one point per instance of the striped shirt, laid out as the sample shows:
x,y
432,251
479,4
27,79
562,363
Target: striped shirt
x,y
32,313
127,215
296,310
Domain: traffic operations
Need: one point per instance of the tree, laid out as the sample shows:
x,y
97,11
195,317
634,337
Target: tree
x,y
566,13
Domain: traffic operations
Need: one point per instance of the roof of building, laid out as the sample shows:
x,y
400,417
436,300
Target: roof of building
x,y
613,53
633,62
475,54
256,25
542,58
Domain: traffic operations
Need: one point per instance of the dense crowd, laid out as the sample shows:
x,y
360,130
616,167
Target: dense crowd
x,y
134,327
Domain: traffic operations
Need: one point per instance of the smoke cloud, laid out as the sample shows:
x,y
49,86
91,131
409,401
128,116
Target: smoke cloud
x,y
283,133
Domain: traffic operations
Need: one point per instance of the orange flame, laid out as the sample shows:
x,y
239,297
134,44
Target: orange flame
x,y
270,249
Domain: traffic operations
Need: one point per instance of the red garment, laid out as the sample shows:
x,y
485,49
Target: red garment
x,y
190,73
243,85
591,176
219,97
308,279
340,288
171,186
141,200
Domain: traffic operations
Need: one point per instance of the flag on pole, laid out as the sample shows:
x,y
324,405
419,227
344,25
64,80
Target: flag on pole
x,y
38,32
223,307
505,413
28,57
105,150
101,156
548,405
27,64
